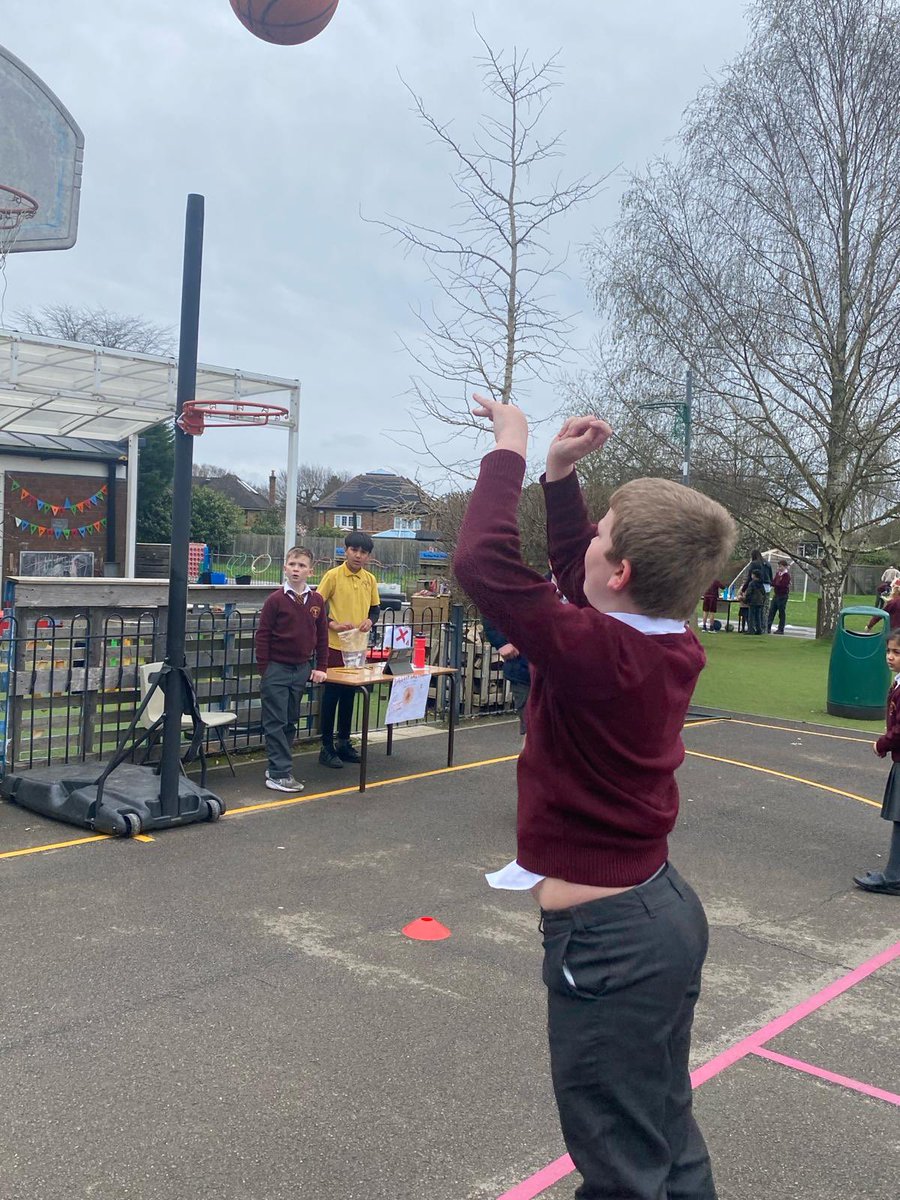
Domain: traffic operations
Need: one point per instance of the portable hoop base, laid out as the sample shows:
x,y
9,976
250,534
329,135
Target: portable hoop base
x,y
130,802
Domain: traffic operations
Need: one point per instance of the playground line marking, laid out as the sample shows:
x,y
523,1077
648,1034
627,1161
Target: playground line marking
x,y
841,737
265,805
560,1167
734,762
95,837
370,786
867,1089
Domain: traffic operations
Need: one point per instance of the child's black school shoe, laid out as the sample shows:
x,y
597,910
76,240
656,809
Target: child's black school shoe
x,y
346,752
876,882
329,758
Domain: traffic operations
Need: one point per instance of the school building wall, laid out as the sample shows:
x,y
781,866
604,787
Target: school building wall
x,y
54,481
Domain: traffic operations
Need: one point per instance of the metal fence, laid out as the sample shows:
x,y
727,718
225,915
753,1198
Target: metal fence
x,y
70,682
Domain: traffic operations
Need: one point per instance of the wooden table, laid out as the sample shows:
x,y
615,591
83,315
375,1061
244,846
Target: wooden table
x,y
363,679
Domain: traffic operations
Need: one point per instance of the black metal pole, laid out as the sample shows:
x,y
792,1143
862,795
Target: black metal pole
x,y
181,509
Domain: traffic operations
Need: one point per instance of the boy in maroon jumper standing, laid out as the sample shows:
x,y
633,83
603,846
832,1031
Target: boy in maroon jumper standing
x,y
612,675
291,649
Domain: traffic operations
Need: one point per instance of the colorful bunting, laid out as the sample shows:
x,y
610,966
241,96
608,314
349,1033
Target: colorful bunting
x,y
66,506
43,531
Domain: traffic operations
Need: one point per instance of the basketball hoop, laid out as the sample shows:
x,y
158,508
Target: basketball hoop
x,y
16,207
197,415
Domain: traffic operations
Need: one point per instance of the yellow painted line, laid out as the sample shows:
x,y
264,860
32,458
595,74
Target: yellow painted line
x,y
705,721
734,762
268,804
378,783
97,837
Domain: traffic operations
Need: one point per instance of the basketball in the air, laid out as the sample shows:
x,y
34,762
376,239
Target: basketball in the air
x,y
284,22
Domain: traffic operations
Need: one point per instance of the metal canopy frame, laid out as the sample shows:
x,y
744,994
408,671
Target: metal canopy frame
x,y
70,389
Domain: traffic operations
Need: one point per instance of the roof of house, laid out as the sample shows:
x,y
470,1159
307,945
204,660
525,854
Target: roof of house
x,y
42,445
236,490
375,491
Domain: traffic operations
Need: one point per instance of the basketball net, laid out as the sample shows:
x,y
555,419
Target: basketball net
x,y
15,209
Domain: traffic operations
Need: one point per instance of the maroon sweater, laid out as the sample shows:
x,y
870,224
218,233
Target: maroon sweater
x,y
889,742
596,782
292,631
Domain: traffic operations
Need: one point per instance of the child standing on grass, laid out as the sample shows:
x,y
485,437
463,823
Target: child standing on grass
x,y
711,604
888,881
612,675
755,596
291,649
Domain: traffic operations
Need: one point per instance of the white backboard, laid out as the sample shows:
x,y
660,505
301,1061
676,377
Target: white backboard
x,y
41,150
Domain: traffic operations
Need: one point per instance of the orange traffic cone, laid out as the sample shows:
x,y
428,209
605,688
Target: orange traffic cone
x,y
426,929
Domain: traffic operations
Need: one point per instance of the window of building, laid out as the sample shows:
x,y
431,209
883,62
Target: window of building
x,y
406,524
345,520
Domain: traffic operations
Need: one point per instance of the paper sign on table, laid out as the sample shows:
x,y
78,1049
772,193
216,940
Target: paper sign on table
x,y
397,637
408,698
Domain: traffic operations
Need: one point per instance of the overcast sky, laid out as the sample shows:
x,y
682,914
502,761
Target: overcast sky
x,y
288,144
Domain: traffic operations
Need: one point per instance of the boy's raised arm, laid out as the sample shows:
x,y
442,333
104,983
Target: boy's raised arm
x,y
569,529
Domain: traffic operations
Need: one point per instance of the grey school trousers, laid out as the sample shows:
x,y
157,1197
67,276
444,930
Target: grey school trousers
x,y
623,976
281,691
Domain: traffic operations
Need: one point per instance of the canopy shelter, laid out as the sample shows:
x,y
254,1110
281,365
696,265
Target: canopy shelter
x,y
69,389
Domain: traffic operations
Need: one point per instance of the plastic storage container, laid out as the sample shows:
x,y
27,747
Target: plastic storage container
x,y
858,675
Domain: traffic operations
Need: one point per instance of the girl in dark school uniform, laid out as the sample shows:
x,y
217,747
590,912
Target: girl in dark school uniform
x,y
888,881
711,604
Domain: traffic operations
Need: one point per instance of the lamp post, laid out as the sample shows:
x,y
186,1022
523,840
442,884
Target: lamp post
x,y
682,411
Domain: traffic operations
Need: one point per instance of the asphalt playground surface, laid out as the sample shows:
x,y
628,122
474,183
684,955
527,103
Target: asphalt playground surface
x,y
232,1011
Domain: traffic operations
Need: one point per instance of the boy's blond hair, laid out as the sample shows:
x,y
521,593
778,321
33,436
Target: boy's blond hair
x,y
300,551
676,540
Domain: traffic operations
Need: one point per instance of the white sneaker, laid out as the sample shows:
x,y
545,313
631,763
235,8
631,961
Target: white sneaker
x,y
287,784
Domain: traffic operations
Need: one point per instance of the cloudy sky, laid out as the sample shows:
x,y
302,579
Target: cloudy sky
x,y
290,144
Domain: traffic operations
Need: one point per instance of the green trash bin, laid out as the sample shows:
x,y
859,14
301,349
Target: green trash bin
x,y
858,675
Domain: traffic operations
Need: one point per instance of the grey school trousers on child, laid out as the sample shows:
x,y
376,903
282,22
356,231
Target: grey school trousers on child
x,y
281,691
623,976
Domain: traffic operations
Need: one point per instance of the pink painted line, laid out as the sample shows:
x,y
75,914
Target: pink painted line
x,y
741,1049
539,1182
560,1167
820,1073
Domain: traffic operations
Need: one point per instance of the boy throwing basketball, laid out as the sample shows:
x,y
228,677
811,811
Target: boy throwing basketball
x,y
625,936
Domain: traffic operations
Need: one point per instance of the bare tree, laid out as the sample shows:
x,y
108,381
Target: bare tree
x,y
768,257
209,471
313,482
493,325
96,327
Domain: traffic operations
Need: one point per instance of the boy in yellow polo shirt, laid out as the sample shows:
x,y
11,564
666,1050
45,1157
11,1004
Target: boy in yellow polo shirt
x,y
351,594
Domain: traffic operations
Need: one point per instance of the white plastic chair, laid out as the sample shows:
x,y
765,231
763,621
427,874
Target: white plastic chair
x,y
152,716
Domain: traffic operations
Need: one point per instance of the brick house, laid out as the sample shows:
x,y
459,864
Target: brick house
x,y
251,502
374,502
63,505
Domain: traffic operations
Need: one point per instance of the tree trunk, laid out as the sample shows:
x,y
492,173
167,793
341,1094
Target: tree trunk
x,y
829,603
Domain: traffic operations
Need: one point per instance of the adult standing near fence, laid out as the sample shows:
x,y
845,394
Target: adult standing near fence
x,y
781,587
758,563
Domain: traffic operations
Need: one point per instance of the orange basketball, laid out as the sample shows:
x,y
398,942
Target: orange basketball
x,y
284,22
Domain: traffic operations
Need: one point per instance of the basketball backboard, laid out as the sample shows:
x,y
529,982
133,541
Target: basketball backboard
x,y
41,150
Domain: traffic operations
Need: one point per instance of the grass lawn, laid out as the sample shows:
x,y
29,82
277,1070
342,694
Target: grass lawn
x,y
783,677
